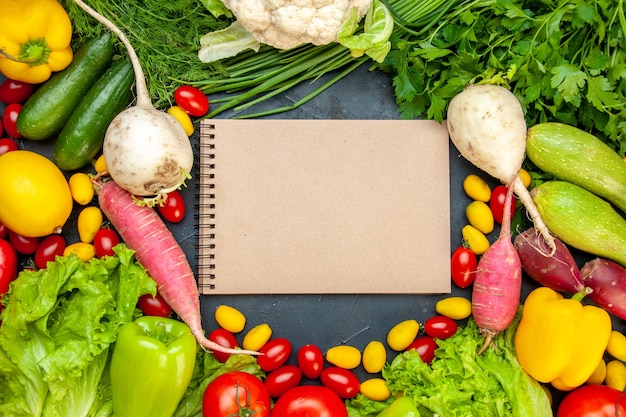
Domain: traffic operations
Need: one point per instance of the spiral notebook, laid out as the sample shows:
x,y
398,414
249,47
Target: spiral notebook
x,y
324,207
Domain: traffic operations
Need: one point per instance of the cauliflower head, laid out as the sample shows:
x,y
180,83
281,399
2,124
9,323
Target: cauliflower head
x,y
285,24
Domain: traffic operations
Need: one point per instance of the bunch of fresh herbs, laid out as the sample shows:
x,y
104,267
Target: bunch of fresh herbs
x,y
564,60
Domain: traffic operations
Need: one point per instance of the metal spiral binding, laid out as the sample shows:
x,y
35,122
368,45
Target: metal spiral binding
x,y
206,209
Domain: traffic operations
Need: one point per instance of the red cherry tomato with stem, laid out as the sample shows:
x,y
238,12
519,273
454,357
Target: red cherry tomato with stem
x,y
463,266
440,327
342,381
282,379
236,394
496,203
104,242
48,249
154,306
7,145
309,401
425,347
223,338
9,118
14,91
22,244
173,209
191,100
274,354
310,359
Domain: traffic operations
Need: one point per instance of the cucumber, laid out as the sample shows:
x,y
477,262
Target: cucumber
x,y
573,155
47,110
582,219
81,138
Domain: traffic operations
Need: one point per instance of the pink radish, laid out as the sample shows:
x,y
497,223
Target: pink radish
x,y
498,283
607,280
156,249
486,124
559,272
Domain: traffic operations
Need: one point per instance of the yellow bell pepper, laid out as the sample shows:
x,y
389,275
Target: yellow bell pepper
x,y
35,39
559,340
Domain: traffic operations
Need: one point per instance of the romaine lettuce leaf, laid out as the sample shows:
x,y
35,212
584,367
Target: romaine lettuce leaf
x,y
461,383
56,330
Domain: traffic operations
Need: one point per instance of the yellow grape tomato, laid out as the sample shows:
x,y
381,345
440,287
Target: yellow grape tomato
x,y
344,356
615,375
81,188
85,251
617,345
476,188
89,222
230,318
100,165
475,239
375,389
402,334
183,118
374,357
599,374
525,177
480,216
257,337
456,308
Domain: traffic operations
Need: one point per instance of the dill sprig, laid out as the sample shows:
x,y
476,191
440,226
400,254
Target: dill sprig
x,y
165,34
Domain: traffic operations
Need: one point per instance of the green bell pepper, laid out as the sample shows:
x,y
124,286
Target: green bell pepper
x,y
151,367
401,407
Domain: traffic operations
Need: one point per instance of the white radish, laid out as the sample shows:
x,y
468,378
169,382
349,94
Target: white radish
x,y
147,151
486,124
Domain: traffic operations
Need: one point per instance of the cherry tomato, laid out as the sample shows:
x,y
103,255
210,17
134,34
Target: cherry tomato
x,y
440,327
593,401
463,266
7,144
4,231
496,203
9,118
192,100
154,306
425,347
8,266
48,249
223,338
104,241
343,381
22,244
14,91
274,354
173,210
309,401
282,379
236,394
311,361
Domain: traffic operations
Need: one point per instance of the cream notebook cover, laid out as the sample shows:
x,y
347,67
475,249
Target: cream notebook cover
x,y
324,206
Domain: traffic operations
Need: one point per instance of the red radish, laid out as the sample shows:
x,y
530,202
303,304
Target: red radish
x,y
156,249
486,124
498,282
607,280
559,272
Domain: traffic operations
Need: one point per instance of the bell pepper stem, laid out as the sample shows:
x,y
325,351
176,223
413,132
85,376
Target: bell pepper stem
x,y
34,52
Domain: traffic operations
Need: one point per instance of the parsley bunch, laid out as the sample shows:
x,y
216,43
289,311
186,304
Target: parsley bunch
x,y
564,60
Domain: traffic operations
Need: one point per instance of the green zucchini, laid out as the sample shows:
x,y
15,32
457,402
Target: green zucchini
x,y
582,219
81,138
573,155
47,110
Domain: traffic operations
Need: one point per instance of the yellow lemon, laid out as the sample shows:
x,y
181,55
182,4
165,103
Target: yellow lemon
x,y
35,198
